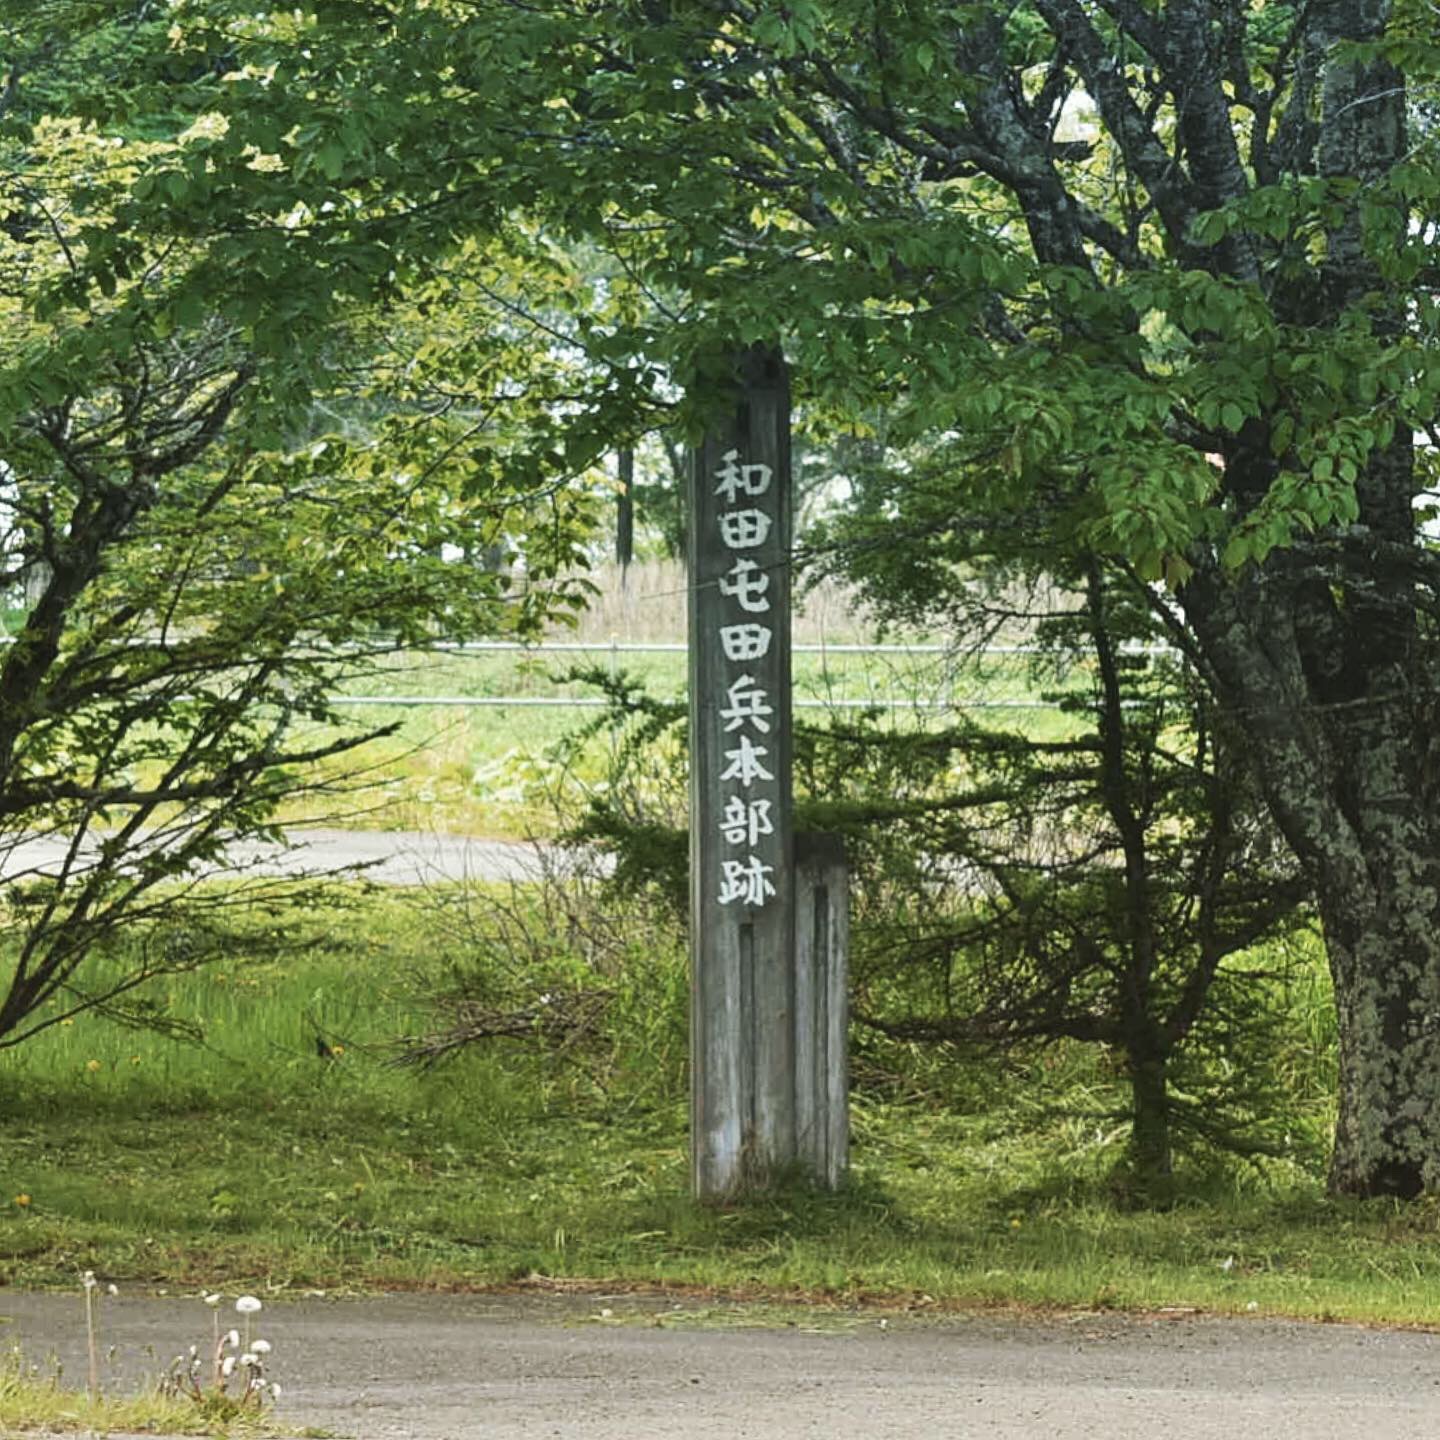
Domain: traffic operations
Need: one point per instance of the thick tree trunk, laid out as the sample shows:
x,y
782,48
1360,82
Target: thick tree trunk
x,y
1387,1136
1382,934
1322,675
1319,652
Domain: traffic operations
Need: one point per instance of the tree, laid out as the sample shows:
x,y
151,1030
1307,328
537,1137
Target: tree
x,y
1163,274
205,534
1094,886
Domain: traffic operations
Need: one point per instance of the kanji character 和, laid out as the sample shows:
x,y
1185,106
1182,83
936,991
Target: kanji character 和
x,y
741,479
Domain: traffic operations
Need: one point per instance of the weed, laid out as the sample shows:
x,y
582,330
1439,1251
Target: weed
x,y
237,1384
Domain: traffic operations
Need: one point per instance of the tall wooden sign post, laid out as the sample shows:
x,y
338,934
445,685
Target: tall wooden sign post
x,y
767,1014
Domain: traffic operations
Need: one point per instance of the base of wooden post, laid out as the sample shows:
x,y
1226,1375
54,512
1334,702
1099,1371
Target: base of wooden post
x,y
822,946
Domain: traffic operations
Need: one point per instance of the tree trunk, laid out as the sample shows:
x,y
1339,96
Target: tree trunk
x,y
1150,1160
1387,1135
625,510
1322,674
1382,934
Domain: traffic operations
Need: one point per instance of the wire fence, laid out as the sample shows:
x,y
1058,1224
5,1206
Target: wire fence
x,y
614,649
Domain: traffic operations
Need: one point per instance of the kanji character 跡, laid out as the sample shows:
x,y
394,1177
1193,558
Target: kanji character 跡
x,y
745,880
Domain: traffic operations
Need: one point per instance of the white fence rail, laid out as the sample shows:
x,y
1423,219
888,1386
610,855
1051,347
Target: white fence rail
x,y
592,702
613,649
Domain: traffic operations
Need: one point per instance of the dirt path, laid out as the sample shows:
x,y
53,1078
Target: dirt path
x,y
625,1368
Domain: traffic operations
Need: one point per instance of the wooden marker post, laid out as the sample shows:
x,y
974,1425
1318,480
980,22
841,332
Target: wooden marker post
x,y
752,1115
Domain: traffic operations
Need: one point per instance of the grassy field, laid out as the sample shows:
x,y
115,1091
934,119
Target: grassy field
x,y
255,1161
494,770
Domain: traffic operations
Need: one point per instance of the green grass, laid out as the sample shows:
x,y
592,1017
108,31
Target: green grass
x,y
252,1161
31,1402
38,1406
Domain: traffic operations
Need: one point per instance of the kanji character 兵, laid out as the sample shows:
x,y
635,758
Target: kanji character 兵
x,y
745,642
745,880
744,821
747,583
747,702
745,763
736,479
744,529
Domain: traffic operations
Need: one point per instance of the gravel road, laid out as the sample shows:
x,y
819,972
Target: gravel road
x,y
418,1367
391,857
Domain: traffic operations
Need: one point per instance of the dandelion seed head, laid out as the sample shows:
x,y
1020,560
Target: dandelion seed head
x,y
227,1366
214,1299
248,1305
231,1340
260,1347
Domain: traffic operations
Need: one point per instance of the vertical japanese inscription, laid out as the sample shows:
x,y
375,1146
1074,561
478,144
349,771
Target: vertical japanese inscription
x,y
748,793
741,842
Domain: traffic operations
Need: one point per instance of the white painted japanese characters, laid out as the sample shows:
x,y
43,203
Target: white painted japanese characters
x,y
748,795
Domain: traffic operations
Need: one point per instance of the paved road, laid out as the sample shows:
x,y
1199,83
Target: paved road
x,y
502,1367
391,857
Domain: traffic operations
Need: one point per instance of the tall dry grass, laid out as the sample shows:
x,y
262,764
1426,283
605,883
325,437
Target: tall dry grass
x,y
646,605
